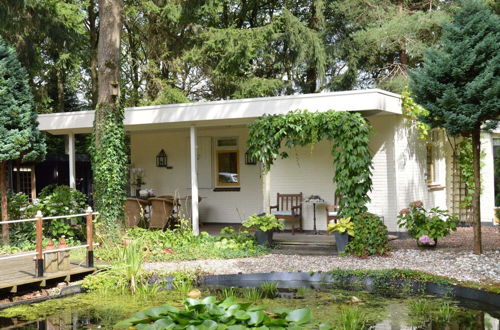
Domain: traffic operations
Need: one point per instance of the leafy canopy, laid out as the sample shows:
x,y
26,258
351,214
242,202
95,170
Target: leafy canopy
x,y
458,83
349,134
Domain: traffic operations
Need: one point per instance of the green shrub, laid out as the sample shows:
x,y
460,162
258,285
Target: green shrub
x,y
22,234
181,244
267,222
62,200
370,236
420,223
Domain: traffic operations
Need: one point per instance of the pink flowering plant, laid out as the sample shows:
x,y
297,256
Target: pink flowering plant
x,y
426,225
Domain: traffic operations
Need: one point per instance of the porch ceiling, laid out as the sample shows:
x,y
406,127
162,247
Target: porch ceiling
x,y
233,112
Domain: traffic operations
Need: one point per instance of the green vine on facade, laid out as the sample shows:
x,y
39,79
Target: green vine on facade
x,y
415,112
349,134
110,168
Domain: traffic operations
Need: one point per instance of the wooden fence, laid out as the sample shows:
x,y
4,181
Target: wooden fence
x,y
39,252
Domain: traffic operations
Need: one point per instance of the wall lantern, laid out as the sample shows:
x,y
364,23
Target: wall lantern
x,y
162,160
249,160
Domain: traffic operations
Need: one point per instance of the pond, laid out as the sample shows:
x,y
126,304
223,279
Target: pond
x,y
342,309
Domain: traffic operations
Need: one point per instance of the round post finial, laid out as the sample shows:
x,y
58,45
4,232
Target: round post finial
x,y
89,210
39,214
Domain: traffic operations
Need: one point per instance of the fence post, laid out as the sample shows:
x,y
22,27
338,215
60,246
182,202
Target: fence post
x,y
90,238
39,249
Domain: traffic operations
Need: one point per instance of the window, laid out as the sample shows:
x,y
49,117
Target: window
x,y
227,162
24,180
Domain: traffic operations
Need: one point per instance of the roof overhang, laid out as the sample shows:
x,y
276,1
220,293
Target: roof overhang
x,y
234,112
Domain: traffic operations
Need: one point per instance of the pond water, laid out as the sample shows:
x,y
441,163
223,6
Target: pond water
x,y
342,309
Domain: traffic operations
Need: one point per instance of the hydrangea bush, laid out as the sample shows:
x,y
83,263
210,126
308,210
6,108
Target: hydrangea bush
x,y
426,225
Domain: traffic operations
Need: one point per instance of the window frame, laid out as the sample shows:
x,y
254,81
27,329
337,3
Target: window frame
x,y
225,150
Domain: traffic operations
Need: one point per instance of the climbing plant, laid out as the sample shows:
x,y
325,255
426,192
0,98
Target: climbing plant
x,y
271,135
414,111
110,168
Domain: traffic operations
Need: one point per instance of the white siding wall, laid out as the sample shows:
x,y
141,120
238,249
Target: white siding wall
x,y
216,206
410,170
487,179
308,170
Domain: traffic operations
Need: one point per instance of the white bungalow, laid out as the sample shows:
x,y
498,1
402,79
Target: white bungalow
x,y
212,136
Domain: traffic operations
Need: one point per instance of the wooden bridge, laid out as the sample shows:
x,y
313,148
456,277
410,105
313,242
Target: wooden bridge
x,y
29,271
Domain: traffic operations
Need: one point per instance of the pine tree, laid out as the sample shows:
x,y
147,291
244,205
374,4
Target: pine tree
x,y
458,83
19,135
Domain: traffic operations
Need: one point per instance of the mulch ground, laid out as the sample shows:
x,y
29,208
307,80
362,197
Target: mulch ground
x,y
462,239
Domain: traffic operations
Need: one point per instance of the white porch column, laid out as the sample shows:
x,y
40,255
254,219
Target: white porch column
x,y
266,191
71,153
194,182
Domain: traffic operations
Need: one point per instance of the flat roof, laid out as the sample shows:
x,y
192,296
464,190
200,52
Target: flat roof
x,y
230,112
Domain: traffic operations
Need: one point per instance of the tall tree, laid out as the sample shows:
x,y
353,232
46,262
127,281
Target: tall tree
x,y
48,36
19,135
108,155
381,39
458,84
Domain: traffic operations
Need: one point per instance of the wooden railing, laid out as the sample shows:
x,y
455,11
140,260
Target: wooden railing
x,y
39,218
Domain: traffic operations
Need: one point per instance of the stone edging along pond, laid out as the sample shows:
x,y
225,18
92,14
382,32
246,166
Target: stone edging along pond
x,y
375,284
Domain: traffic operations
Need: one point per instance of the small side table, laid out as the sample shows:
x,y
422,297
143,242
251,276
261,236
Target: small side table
x,y
314,199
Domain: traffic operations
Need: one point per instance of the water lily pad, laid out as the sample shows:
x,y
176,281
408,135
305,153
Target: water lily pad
x,y
299,316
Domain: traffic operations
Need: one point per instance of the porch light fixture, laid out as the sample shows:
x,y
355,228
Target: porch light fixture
x,y
162,160
249,160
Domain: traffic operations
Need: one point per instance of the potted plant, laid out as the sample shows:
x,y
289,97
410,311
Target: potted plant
x,y
342,230
264,226
426,226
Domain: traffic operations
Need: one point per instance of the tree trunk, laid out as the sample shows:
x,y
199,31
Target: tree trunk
x,y
93,41
476,202
3,191
60,89
108,135
108,52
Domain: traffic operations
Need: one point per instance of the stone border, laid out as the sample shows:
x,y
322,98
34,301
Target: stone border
x,y
65,292
320,279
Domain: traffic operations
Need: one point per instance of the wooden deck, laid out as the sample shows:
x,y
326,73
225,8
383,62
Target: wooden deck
x,y
20,271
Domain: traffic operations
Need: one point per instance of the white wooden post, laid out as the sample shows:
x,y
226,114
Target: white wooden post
x,y
266,191
71,154
194,182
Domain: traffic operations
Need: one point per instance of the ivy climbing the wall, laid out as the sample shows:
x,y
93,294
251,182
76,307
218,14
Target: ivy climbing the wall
x,y
271,135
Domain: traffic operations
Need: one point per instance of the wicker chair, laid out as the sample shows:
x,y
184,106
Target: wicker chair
x,y
289,208
134,211
161,213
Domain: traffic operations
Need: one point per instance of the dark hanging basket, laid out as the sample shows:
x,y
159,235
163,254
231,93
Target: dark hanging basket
x,y
264,237
341,241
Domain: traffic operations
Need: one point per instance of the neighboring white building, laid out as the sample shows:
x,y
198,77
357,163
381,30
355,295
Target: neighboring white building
x,y
233,190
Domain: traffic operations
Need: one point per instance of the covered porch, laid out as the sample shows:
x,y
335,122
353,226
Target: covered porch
x,y
205,145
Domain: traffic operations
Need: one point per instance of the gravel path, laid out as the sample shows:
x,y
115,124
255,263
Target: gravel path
x,y
461,265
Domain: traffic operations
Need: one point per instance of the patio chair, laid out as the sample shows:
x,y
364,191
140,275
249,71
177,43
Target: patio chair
x,y
332,211
161,213
134,211
289,208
